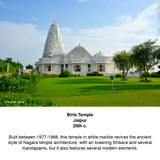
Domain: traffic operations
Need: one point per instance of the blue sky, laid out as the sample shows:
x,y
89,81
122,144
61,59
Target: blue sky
x,y
107,25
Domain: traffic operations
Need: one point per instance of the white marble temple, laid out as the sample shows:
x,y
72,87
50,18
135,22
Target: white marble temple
x,y
77,61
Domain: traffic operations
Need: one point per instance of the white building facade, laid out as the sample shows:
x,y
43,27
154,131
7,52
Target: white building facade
x,y
77,61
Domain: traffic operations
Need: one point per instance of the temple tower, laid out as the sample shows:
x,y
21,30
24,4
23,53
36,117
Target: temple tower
x,y
54,44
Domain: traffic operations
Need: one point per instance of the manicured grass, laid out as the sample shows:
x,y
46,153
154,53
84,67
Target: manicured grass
x,y
96,91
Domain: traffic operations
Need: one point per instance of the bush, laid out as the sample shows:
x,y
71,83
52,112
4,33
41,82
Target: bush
x,y
154,75
17,84
65,73
143,74
143,80
100,74
118,75
78,75
22,99
95,73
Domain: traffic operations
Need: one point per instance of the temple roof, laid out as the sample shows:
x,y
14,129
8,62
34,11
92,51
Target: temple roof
x,y
100,54
78,51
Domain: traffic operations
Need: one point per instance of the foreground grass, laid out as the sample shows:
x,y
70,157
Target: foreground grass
x,y
96,91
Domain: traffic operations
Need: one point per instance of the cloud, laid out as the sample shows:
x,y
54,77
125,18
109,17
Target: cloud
x,y
1,3
22,42
107,1
35,19
126,33
83,0
125,22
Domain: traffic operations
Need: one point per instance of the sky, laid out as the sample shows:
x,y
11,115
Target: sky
x,y
106,25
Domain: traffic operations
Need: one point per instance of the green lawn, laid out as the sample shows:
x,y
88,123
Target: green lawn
x,y
96,91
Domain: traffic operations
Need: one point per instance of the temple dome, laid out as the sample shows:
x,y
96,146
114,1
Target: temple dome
x,y
100,54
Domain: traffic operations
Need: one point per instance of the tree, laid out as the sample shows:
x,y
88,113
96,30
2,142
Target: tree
x,y
146,55
136,64
123,62
8,60
29,67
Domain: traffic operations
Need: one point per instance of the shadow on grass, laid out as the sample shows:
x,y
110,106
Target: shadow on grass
x,y
92,80
121,87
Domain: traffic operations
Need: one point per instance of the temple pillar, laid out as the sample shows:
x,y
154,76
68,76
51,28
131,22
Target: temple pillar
x,y
42,68
64,67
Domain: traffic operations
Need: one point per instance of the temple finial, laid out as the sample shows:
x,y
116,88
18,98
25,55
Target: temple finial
x,y
52,20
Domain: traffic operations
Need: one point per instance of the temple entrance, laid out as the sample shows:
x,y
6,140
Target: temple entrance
x,y
77,67
101,67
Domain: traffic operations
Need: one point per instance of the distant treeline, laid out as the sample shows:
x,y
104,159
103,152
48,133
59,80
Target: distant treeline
x,y
13,66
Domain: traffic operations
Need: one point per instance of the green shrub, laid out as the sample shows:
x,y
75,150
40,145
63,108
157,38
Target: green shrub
x,y
78,75
22,99
100,74
143,74
17,84
143,80
65,73
95,73
118,75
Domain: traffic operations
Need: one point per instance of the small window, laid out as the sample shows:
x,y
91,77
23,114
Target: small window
x,y
89,65
62,65
49,68
89,69
100,66
66,65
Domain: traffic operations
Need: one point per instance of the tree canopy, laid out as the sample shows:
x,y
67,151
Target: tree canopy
x,y
123,62
29,67
146,55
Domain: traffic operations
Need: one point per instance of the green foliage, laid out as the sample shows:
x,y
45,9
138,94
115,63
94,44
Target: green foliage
x,y
29,67
123,61
22,99
13,66
65,73
143,80
95,73
78,75
146,55
155,74
143,74
118,75
17,84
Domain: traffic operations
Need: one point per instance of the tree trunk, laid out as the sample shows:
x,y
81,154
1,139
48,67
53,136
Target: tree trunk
x,y
146,74
123,76
140,73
